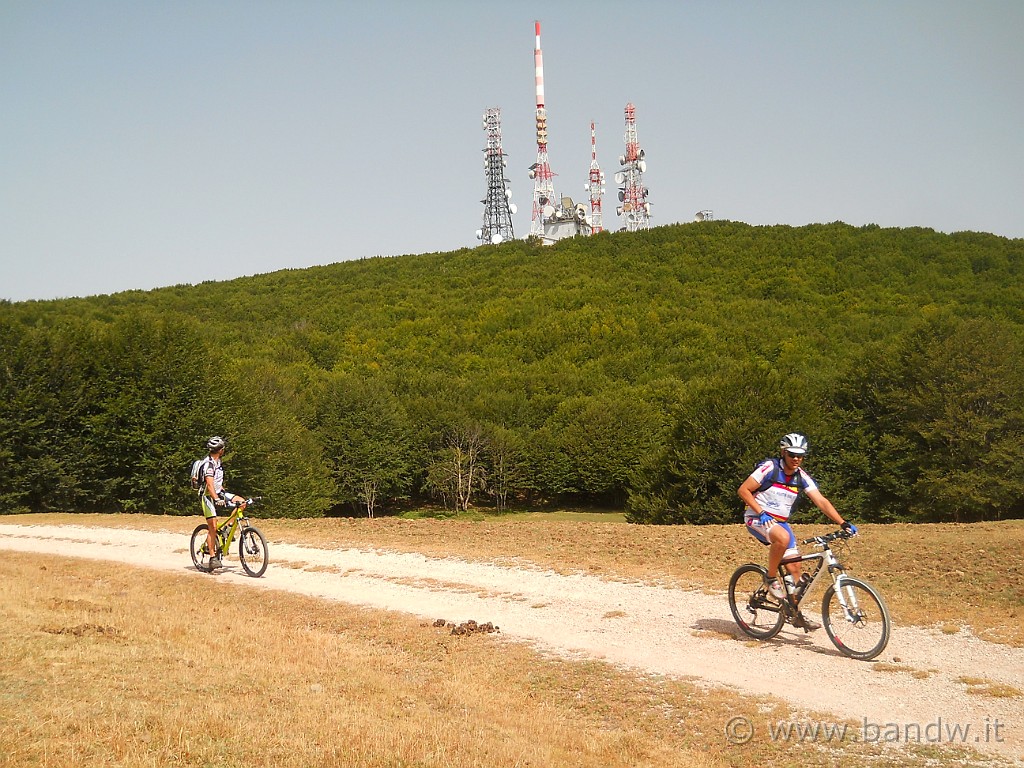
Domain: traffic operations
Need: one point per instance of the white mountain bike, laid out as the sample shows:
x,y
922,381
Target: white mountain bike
x,y
853,612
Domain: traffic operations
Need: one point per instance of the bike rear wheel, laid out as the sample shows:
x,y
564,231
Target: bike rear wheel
x,y
200,549
756,612
861,629
252,551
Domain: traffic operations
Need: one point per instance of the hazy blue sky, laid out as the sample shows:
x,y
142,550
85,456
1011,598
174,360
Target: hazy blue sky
x,y
146,143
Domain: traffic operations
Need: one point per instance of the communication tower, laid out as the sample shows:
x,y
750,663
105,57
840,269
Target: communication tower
x,y
634,208
540,171
595,186
498,209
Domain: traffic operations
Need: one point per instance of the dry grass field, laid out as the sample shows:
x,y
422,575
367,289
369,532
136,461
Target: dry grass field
x,y
107,665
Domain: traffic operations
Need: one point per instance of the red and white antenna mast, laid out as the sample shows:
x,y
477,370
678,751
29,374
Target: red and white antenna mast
x,y
595,186
633,194
540,172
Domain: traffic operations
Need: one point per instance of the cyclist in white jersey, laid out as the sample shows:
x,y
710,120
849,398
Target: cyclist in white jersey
x,y
769,501
214,495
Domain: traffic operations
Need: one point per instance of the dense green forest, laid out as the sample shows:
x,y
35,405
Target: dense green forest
x,y
645,370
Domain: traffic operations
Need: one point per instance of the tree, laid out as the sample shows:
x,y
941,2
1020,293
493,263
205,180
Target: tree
x,y
459,472
367,442
723,427
943,422
592,445
507,469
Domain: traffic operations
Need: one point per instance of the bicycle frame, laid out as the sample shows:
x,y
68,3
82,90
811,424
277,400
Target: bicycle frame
x,y
826,561
233,522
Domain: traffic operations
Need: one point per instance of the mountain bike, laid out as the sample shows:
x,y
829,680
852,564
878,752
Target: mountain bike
x,y
252,545
853,612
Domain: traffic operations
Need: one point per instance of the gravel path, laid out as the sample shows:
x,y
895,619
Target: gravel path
x,y
653,629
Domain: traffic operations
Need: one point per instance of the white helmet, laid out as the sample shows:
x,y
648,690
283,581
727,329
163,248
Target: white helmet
x,y
794,443
215,444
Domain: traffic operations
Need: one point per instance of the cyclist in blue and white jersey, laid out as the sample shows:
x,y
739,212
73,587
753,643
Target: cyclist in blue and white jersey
x,y
214,495
769,493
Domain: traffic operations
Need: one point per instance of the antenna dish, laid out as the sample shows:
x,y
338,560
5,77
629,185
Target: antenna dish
x,y
642,165
548,211
480,233
620,177
512,208
495,238
699,216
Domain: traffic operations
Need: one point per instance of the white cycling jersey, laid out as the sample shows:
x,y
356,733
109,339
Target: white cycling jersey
x,y
778,498
214,469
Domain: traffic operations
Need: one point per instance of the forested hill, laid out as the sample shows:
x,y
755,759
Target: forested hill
x,y
649,369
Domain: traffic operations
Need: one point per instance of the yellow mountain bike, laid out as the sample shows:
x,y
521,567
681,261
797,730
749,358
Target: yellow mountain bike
x,y
252,545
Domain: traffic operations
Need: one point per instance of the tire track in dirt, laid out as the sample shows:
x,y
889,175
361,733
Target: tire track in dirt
x,y
650,629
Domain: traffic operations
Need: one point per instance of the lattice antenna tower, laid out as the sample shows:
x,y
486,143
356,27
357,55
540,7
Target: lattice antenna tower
x,y
498,208
595,185
540,171
634,208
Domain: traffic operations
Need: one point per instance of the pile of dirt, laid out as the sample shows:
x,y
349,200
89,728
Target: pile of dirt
x,y
467,627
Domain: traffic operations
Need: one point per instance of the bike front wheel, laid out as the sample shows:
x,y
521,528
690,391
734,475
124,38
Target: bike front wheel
x,y
861,628
756,612
252,551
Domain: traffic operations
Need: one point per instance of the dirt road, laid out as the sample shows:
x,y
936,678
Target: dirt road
x,y
918,696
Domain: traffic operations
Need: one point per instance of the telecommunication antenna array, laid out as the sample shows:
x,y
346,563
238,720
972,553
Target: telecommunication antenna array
x,y
540,171
595,185
498,209
634,207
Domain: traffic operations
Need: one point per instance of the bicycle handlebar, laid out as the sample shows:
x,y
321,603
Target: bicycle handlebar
x,y
248,502
823,540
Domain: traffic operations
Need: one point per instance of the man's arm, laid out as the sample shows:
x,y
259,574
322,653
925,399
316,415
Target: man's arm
x,y
746,492
825,506
210,488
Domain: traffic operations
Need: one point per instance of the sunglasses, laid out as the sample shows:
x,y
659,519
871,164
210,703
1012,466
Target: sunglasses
x,y
795,456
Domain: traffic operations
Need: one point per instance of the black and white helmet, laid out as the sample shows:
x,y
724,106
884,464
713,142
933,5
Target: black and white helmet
x,y
216,443
794,443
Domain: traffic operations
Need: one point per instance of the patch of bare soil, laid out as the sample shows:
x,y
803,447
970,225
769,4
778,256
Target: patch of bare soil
x,y
924,687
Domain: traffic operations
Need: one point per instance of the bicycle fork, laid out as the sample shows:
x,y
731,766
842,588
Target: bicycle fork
x,y
847,597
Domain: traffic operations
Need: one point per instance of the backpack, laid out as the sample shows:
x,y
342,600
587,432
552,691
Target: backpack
x,y
197,477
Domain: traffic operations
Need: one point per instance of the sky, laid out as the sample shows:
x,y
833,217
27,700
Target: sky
x,y
147,144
